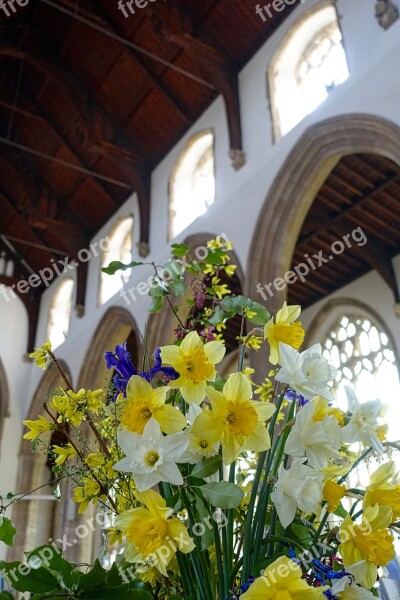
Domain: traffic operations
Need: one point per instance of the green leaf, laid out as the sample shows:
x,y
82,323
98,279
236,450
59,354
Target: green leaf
x,y
116,265
6,596
222,494
207,537
207,467
7,531
218,316
178,286
179,250
157,304
23,578
341,511
215,257
97,576
51,557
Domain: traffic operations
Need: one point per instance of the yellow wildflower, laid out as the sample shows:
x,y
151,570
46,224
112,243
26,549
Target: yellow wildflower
x,y
236,420
285,329
195,362
333,493
64,453
218,289
148,529
42,356
384,489
253,342
370,541
283,580
230,270
37,428
88,492
114,536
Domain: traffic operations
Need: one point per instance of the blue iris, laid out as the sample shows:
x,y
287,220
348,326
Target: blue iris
x,y
291,395
120,360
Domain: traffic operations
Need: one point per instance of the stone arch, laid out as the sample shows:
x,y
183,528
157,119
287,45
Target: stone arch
x,y
4,398
114,328
161,325
31,522
305,170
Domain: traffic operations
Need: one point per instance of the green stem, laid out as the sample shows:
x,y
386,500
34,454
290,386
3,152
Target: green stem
x,y
220,564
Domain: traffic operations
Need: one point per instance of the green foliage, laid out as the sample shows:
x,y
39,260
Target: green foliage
x,y
46,574
7,531
222,494
235,305
116,265
207,467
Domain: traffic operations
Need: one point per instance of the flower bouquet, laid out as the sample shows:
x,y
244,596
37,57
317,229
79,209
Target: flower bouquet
x,y
216,487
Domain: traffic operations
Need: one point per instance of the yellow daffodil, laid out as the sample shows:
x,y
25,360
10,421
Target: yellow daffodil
x,y
143,403
283,580
37,428
285,330
384,489
236,420
370,541
324,409
333,493
41,355
195,362
152,536
64,453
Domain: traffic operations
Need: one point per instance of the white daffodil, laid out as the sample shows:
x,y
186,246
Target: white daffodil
x,y
199,447
363,424
318,440
151,457
346,588
307,372
298,487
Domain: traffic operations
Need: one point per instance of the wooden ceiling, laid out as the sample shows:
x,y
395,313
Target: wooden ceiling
x,y
362,191
91,101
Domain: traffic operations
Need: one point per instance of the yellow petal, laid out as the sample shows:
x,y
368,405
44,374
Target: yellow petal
x,y
194,392
237,388
170,355
258,440
179,534
208,426
191,343
171,420
215,351
265,410
231,447
151,499
138,388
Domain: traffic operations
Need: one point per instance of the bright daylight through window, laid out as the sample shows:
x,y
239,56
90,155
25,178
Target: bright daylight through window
x,y
60,313
119,249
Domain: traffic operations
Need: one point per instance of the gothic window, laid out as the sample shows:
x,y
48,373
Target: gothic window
x,y
361,352
119,249
60,313
192,184
310,63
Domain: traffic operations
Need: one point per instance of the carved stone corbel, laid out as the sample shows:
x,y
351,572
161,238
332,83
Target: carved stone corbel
x,y
386,13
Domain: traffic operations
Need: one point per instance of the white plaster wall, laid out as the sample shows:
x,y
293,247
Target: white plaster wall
x,y
373,87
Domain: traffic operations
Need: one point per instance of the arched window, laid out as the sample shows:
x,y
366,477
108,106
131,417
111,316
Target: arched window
x,y
60,313
361,351
119,249
192,184
309,64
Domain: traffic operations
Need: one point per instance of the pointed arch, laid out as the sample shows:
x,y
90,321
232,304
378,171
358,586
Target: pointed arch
x,y
298,182
4,398
34,525
116,326
161,325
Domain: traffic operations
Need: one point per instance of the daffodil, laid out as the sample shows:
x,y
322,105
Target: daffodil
x,y
37,428
152,536
42,356
369,541
283,580
318,440
324,409
64,453
236,420
151,457
195,362
284,330
199,447
347,588
384,489
143,402
299,487
364,423
333,493
308,372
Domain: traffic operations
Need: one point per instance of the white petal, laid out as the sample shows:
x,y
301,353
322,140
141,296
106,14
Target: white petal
x,y
285,507
169,472
128,441
173,446
147,481
124,465
153,431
